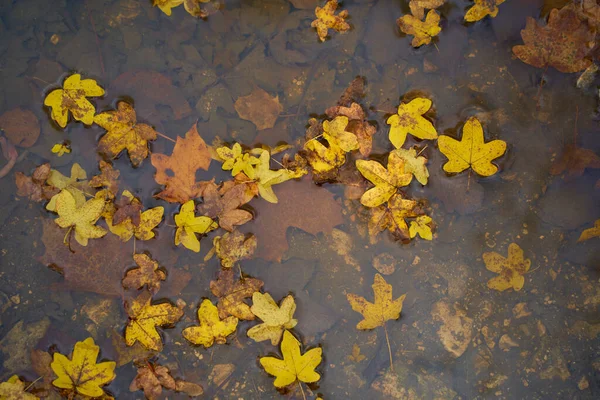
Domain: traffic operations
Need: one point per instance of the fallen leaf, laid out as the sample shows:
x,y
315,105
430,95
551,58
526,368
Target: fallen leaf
x,y
40,363
358,125
14,389
125,230
456,330
144,317
483,8
108,179
147,274
73,97
19,340
127,207
320,157
511,269
195,10
151,379
417,7
124,132
587,10
166,6
178,171
563,43
80,219
233,247
294,366
189,388
589,233
223,203
471,151
326,19
76,185
126,354
60,149
276,319
575,160
423,31
34,187
259,108
302,205
356,356
409,119
236,161
212,328
392,217
421,226
414,164
188,225
386,181
231,294
336,129
20,126
81,374
266,177
383,309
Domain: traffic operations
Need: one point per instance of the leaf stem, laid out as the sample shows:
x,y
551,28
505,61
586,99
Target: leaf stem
x,y
165,137
387,339
302,390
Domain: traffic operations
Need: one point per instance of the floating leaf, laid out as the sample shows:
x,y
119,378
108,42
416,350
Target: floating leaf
x,y
483,8
34,187
409,119
336,129
414,164
510,269
421,227
81,219
223,203
320,157
14,389
151,378
148,274
386,181
423,31
266,177
212,328
236,162
276,319
188,225
417,7
233,247
60,149
147,221
74,185
72,97
107,179
589,233
392,217
166,5
231,294
326,19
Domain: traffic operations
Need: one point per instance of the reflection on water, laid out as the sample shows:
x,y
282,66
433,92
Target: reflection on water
x,y
455,338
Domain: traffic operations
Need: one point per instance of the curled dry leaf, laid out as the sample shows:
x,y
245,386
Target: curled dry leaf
x,y
386,181
34,187
21,127
212,328
233,247
418,7
223,204
409,119
147,274
107,179
483,8
423,31
326,19
511,269
259,108
232,292
276,319
73,98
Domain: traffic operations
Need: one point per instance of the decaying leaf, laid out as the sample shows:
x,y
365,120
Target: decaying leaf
x,y
511,269
483,8
188,225
326,19
107,179
127,207
563,43
73,97
276,319
259,108
386,181
34,187
266,177
147,274
418,7
124,132
409,119
20,126
336,129
320,157
81,374
589,233
166,5
81,219
212,328
233,247
392,217
471,151
575,160
76,185
178,171
456,330
421,226
127,227
222,203
383,309
152,378
195,10
144,317
236,161
14,389
414,164
358,125
232,292
423,31
294,366
60,149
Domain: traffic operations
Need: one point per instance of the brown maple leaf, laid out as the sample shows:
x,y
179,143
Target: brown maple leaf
x,y
34,187
223,203
151,379
563,43
303,205
178,171
108,179
575,160
259,108
358,125
231,294
127,206
147,274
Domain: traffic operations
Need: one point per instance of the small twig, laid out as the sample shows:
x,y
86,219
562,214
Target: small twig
x,y
422,150
387,339
31,384
316,137
302,390
165,137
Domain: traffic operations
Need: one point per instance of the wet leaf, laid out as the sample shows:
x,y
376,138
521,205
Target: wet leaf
x,y
178,171
326,19
386,181
14,389
276,319
358,126
266,177
73,97
21,127
511,269
231,294
563,43
125,230
19,340
324,158
124,132
456,330
81,219
471,151
383,309
336,129
75,185
483,8
223,203
145,317
60,149
236,162
356,356
233,247
392,217
417,7
81,374
421,226
188,225
151,379
127,207
212,328
589,233
414,164
34,187
575,160
148,274
294,366
423,31
108,179
409,119
166,5
259,108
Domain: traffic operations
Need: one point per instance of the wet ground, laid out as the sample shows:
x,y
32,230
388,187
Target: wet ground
x,y
456,338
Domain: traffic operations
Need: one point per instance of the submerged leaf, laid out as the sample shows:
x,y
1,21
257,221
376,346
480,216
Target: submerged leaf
x,y
14,389
589,233
384,307
510,269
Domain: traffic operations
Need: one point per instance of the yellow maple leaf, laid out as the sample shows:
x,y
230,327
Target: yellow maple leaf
x,y
275,318
386,181
60,149
392,217
266,177
14,389
324,158
417,7
409,119
482,8
166,5
81,374
188,225
81,219
72,97
423,31
336,129
421,227
471,151
74,185
326,19
144,317
294,366
126,229
590,232
511,268
124,132
236,161
414,164
212,328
